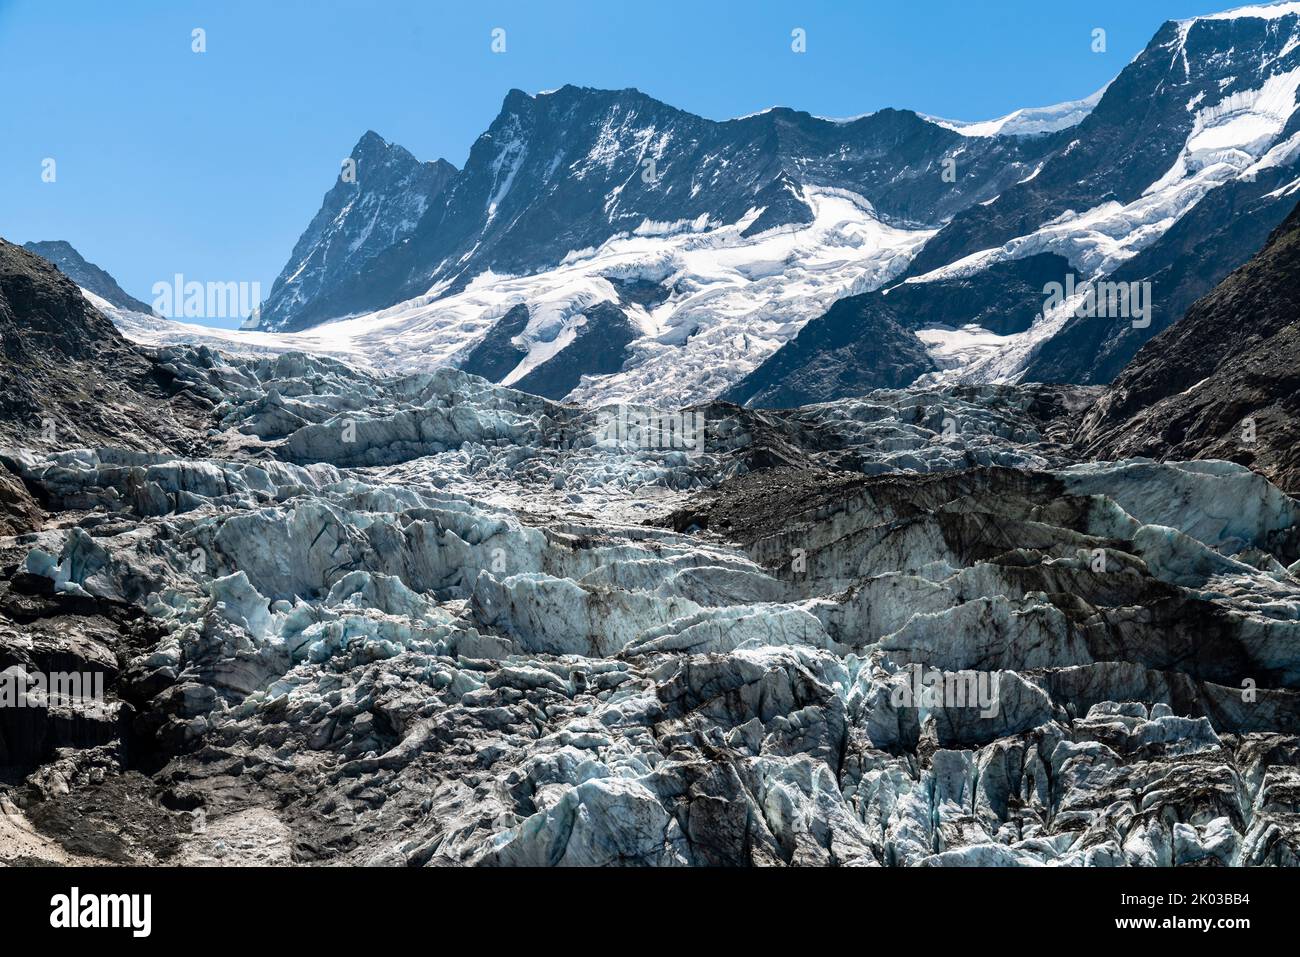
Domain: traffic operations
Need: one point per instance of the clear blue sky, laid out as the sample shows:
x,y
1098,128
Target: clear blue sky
x,y
212,164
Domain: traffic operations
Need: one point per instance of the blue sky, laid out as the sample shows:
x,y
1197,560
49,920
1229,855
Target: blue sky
x,y
211,164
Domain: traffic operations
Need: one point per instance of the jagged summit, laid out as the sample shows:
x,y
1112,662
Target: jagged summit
x,y
567,170
381,194
730,246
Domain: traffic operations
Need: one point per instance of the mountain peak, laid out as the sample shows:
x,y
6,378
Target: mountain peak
x,y
373,206
372,146
1255,11
516,99
518,102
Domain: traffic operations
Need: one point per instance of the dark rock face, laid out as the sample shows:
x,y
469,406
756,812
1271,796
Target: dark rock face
x,y
782,205
375,204
642,292
599,347
67,380
19,512
567,170
45,633
86,275
1222,383
67,377
1200,250
867,342
495,355
858,346
1005,299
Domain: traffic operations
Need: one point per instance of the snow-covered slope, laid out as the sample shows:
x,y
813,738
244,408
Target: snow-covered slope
x,y
1165,199
578,256
720,301
1256,11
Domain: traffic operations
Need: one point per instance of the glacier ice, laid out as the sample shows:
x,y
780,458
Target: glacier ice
x,y
421,619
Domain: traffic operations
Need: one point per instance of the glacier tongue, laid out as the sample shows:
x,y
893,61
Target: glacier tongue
x,y
426,619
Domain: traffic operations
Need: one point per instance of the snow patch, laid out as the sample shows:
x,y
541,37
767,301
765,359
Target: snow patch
x,y
1031,121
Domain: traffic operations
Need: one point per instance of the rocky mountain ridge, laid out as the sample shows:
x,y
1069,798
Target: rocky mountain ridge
x,y
1224,382
573,193
1165,200
568,169
86,274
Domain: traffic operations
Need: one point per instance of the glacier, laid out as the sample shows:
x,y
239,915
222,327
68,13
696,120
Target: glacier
x,y
424,619
734,300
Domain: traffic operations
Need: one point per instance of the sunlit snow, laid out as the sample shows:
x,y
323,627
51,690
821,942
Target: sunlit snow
x,y
733,301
